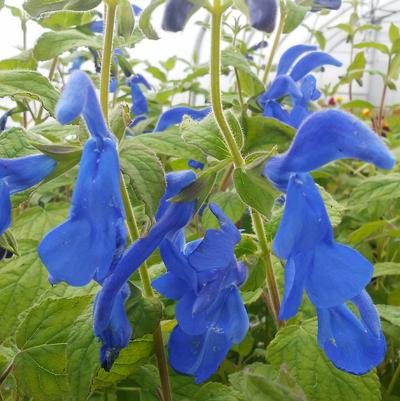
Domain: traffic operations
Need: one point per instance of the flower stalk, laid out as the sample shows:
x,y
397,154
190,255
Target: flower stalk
x,y
133,229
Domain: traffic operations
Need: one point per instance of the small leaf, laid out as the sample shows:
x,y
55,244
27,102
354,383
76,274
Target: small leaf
x,y
386,269
295,15
52,44
373,45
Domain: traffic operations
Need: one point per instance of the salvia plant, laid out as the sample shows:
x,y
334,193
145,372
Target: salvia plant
x,y
242,245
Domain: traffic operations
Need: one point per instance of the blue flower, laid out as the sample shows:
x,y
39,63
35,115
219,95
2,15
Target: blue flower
x,y
354,344
139,101
4,119
90,242
263,14
204,277
175,116
17,175
331,273
323,137
329,4
171,219
292,80
176,14
77,63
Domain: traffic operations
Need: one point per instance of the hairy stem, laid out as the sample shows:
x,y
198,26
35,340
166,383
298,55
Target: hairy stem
x,y
133,229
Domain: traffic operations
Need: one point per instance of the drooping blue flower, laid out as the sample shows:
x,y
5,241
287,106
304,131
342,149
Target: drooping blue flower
x,y
139,101
175,116
292,80
204,277
260,45
4,119
76,63
354,344
263,14
171,219
17,175
329,4
90,242
331,273
323,137
176,14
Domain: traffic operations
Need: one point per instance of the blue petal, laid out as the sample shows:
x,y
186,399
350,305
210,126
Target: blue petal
x,y
282,85
118,333
312,61
275,110
308,89
25,172
326,136
263,14
191,323
136,10
291,55
76,63
329,4
347,342
85,246
176,14
295,274
113,84
197,356
195,164
338,273
305,222
97,26
298,115
139,79
175,116
170,286
5,207
79,97
139,101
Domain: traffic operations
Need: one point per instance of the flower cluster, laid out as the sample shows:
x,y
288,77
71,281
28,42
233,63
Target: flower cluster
x,y
204,277
332,274
293,80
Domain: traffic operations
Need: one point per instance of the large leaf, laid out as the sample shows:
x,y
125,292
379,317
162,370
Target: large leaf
x,y
22,281
297,348
28,84
145,174
40,366
64,19
52,44
14,143
22,61
37,7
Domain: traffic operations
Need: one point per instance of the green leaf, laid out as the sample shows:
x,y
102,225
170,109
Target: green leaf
x,y
205,135
230,204
129,360
378,188
232,57
119,120
169,143
52,44
260,382
22,280
297,348
126,19
64,19
362,104
82,356
217,392
390,313
394,33
294,16
264,133
28,84
386,269
145,17
395,67
254,190
145,174
366,230
36,7
14,143
35,222
335,209
22,61
373,45
40,366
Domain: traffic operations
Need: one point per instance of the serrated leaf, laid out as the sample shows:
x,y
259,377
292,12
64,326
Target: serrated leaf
x,y
52,44
22,281
254,190
297,348
22,61
145,173
386,269
217,392
64,19
29,84
35,222
37,7
130,359
145,17
14,143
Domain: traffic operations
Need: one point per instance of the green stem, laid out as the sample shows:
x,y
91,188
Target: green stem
x,y
6,372
275,45
52,71
133,229
394,379
215,70
273,292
